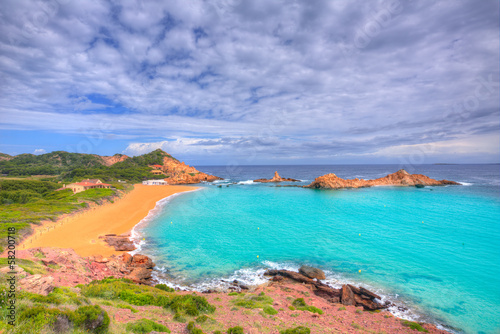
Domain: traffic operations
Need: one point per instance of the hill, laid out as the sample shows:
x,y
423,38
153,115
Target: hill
x,y
76,166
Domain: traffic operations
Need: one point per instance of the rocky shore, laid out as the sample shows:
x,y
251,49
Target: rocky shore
x,y
400,178
298,298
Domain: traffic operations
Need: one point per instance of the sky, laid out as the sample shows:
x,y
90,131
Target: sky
x,y
253,81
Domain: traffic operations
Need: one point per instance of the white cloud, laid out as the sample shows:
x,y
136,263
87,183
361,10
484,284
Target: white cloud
x,y
39,151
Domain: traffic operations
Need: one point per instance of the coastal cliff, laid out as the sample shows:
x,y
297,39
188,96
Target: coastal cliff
x,y
400,178
276,178
179,173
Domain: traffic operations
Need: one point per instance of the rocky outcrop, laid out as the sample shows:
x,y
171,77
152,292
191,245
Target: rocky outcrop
x,y
276,178
37,284
111,160
312,272
140,268
347,295
400,178
119,242
179,173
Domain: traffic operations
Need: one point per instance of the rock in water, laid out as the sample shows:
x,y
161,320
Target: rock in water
x,y
276,178
400,178
312,272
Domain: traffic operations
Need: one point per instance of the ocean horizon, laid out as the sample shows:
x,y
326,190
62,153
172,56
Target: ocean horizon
x,y
433,252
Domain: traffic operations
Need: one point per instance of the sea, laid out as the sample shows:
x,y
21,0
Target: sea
x,y
434,252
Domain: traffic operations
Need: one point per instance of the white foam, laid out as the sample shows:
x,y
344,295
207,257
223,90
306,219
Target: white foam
x,y
465,183
247,182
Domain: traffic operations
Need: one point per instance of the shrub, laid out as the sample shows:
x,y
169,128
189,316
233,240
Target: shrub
x,y
235,330
191,328
92,318
300,304
164,287
414,325
190,305
145,326
270,310
253,301
296,330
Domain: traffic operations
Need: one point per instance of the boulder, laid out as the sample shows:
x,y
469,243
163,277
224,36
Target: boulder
x,y
312,272
37,284
141,261
347,296
119,242
140,275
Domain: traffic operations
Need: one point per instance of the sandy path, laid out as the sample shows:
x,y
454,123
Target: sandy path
x,y
81,231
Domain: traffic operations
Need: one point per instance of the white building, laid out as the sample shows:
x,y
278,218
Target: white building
x,y
155,182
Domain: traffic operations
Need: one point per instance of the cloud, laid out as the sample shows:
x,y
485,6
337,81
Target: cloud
x,y
39,151
231,70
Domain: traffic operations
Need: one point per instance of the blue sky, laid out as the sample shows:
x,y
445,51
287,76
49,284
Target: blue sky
x,y
253,82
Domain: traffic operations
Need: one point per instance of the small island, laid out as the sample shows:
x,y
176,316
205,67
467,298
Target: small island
x,y
276,178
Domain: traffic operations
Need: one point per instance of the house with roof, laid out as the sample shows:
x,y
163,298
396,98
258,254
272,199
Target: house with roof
x,y
86,185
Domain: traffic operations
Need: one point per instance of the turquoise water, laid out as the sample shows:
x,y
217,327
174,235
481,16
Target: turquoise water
x,y
435,250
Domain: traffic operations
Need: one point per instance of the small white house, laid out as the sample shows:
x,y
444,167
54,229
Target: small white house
x,y
155,182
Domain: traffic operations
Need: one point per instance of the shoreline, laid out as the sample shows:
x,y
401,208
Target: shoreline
x,y
81,231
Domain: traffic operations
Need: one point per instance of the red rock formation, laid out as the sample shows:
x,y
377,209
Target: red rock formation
x,y
276,178
109,161
179,173
400,178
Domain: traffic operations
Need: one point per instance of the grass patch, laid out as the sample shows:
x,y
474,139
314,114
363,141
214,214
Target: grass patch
x,y
29,266
414,325
297,330
301,305
146,326
128,307
235,330
253,301
270,310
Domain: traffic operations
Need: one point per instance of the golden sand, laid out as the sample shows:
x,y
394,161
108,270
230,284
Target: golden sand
x,y
81,231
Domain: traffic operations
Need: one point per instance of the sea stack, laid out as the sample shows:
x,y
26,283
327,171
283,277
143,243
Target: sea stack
x,y
276,178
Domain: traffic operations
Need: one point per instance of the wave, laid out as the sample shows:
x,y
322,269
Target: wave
x,y
247,182
465,183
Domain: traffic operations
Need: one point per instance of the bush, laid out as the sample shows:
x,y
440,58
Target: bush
x,y
92,318
191,305
270,310
164,287
300,304
146,326
297,330
191,328
235,330
89,318
253,301
414,325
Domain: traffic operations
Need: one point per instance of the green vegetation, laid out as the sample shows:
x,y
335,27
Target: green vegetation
x,y
76,166
29,266
414,325
253,301
270,310
125,306
300,304
146,326
235,330
191,328
26,202
342,308
164,287
36,319
297,330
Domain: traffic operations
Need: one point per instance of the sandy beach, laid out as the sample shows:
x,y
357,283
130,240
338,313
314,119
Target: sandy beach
x,y
81,231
